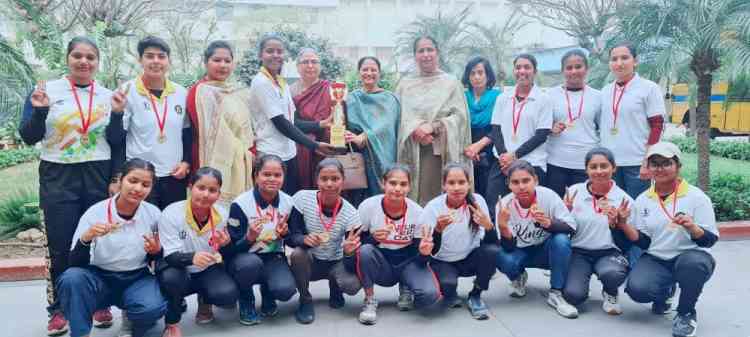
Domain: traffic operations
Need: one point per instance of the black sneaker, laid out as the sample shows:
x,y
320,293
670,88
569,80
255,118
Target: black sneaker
x,y
452,301
305,313
662,307
336,300
684,325
268,307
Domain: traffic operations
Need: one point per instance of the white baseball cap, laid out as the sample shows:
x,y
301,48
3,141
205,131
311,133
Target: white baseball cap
x,y
664,149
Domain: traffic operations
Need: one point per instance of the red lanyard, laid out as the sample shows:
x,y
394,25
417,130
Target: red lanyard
x,y
616,100
212,240
159,121
109,211
517,206
593,198
517,115
328,225
674,201
399,228
87,121
580,106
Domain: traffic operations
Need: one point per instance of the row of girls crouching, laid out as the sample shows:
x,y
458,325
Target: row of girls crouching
x,y
199,247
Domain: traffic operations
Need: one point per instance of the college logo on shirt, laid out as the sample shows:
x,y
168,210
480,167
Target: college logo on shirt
x,y
183,235
233,222
178,109
644,212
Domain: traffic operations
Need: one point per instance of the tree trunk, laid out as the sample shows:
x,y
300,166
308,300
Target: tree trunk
x,y
691,122
703,128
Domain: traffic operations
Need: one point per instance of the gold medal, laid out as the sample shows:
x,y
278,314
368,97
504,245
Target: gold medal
x,y
162,138
218,258
613,131
514,138
85,139
570,125
324,237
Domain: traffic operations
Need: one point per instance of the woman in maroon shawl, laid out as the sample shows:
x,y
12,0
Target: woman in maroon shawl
x,y
312,99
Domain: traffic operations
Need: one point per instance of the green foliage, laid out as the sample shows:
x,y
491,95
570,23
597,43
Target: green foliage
x,y
332,67
732,149
9,158
16,216
16,80
387,80
46,38
730,194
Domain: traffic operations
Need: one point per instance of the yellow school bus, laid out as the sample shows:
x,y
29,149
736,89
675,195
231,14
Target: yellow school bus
x,y
732,118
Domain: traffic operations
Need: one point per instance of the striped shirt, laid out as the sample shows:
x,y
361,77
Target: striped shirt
x,y
306,202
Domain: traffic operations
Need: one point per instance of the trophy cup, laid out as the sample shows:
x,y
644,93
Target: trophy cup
x,y
338,95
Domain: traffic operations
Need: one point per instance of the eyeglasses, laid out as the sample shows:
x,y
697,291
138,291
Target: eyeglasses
x,y
660,165
308,62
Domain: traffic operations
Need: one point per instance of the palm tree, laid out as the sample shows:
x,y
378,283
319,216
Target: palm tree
x,y
449,30
16,79
706,35
494,41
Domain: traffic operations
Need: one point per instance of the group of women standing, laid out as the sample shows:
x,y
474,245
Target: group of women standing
x,y
456,188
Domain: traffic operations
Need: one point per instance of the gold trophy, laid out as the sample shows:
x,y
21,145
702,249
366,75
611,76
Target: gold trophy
x,y
338,95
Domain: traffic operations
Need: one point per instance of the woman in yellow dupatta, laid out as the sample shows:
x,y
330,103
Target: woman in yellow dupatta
x,y
222,130
434,126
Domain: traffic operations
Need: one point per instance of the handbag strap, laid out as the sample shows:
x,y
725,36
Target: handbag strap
x,y
371,155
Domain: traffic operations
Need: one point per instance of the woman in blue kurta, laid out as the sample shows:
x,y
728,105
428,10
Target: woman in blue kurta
x,y
373,114
479,79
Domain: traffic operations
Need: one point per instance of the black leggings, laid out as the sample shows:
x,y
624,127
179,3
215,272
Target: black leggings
x,y
479,263
214,285
66,191
167,190
270,270
609,265
652,278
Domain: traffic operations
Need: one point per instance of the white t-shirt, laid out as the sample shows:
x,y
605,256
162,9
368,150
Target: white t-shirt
x,y
306,202
142,125
62,138
246,202
592,227
642,99
536,114
458,239
178,236
526,233
666,241
268,101
121,249
374,218
569,148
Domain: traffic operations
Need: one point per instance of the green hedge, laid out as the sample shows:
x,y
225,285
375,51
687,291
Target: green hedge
x,y
13,157
730,194
15,216
731,149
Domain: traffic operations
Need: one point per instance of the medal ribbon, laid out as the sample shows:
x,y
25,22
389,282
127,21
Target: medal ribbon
x,y
674,201
328,225
159,121
517,116
580,106
399,228
593,198
85,122
517,206
616,100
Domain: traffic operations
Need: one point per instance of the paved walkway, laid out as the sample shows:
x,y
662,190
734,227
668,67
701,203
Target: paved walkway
x,y
722,311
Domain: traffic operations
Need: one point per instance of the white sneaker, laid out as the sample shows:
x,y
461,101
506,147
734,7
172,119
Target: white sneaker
x,y
519,286
126,327
610,304
555,299
369,313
